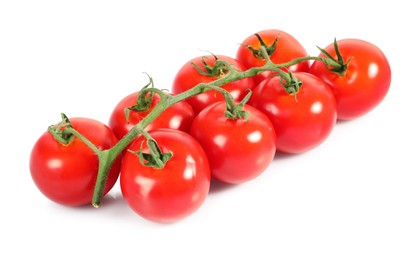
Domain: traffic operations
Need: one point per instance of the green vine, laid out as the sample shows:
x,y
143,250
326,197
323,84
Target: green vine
x,y
63,131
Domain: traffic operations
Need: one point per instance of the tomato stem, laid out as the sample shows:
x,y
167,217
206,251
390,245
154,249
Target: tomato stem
x,y
216,71
291,84
264,48
338,65
143,100
156,158
107,157
92,146
60,131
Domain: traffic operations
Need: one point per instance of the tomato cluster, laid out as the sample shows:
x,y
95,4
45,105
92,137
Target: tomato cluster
x,y
231,133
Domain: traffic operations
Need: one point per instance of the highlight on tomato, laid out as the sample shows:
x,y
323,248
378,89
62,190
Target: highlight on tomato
x,y
206,69
363,81
303,118
281,47
238,149
66,173
171,192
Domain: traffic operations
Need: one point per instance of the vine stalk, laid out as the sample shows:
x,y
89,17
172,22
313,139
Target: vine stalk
x,y
108,156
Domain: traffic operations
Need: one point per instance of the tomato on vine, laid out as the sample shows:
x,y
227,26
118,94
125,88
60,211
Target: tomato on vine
x,y
239,147
206,69
65,171
169,191
363,80
303,117
172,145
281,47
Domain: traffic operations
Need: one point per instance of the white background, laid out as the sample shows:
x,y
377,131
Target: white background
x,y
354,197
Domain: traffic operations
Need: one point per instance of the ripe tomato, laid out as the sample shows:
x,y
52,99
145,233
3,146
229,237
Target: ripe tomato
x,y
66,174
287,48
188,77
178,116
301,122
366,81
173,192
237,150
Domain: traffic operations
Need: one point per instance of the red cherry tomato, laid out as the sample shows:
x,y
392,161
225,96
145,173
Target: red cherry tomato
x,y
66,174
178,116
237,150
188,77
301,122
366,81
173,192
287,48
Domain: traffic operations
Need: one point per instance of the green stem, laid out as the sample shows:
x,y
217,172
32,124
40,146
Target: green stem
x,y
73,131
107,157
106,160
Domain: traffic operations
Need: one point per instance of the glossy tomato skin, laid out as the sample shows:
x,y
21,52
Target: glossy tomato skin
x,y
238,150
188,77
288,48
302,122
178,116
66,174
174,192
366,82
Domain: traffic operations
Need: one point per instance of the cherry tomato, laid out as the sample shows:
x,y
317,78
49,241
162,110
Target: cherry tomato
x,y
66,174
178,116
173,192
303,121
286,49
188,77
238,150
366,81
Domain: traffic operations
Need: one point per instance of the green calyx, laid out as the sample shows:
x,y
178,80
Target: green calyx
x,y
257,53
143,100
338,66
60,131
156,158
235,111
291,84
218,70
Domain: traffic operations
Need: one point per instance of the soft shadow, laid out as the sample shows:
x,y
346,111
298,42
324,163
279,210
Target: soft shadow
x,y
343,122
111,199
219,186
115,199
284,156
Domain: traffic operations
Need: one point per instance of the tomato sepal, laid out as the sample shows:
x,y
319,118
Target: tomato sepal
x,y
156,158
219,69
234,111
292,84
338,66
144,100
258,53
58,131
